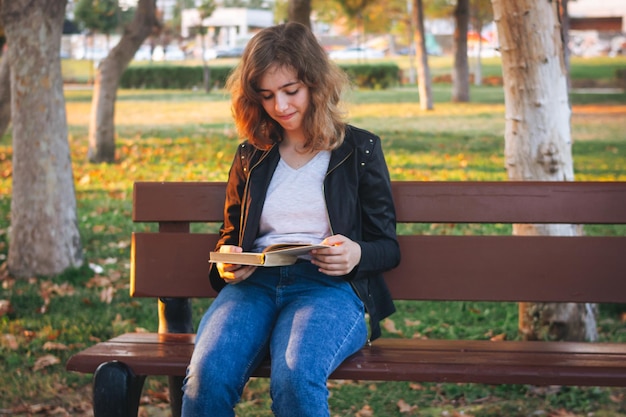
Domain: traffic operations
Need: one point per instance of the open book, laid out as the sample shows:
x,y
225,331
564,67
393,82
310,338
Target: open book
x,y
274,255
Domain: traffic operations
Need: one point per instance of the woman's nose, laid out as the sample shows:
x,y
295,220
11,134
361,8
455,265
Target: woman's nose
x,y
281,103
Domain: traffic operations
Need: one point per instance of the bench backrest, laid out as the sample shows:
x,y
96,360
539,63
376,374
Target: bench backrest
x,y
173,262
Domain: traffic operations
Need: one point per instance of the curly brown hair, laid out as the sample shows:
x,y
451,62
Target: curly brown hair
x,y
291,45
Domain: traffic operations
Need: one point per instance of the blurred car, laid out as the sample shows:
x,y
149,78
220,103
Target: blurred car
x,y
234,52
356,52
144,53
171,53
209,54
96,54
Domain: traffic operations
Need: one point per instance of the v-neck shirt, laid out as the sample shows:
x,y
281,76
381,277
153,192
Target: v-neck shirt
x,y
295,208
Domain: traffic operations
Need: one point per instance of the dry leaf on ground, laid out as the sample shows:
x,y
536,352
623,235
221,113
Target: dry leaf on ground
x,y
366,411
405,407
45,361
5,307
390,326
54,346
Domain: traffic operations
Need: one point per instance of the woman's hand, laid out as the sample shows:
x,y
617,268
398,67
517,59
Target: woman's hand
x,y
340,259
233,273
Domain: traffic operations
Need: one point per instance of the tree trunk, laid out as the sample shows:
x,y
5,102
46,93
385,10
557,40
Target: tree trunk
x,y
44,237
102,124
565,25
5,94
538,138
478,72
421,55
460,71
299,11
206,70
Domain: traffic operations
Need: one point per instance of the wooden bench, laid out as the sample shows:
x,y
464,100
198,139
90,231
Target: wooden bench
x,y
172,265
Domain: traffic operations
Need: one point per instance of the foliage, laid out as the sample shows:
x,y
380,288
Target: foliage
x,y
177,11
251,4
102,16
171,76
481,13
357,12
620,75
184,135
375,76
206,8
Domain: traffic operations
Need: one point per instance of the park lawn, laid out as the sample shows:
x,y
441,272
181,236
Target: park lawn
x,y
188,136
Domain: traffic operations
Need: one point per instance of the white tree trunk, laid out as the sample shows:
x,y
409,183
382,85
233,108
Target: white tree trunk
x,y
538,142
421,54
44,237
102,121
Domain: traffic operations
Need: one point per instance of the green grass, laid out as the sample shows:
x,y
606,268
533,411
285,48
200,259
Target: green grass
x,y
184,135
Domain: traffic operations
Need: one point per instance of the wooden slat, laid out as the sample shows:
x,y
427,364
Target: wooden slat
x,y
178,201
428,202
510,268
510,202
171,264
487,268
538,363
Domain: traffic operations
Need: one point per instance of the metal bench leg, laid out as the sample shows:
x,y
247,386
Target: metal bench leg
x,y
116,391
176,394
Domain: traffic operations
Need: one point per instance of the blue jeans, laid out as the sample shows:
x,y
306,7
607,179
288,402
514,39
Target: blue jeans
x,y
306,321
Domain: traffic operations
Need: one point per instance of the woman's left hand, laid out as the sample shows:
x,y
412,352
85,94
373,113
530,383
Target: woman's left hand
x,y
340,259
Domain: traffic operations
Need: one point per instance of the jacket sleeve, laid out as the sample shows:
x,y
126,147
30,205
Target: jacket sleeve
x,y
379,245
229,231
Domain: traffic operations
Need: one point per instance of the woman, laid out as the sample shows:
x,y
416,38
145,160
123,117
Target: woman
x,y
301,175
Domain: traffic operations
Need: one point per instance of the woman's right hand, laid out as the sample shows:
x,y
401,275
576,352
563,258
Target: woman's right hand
x,y
233,273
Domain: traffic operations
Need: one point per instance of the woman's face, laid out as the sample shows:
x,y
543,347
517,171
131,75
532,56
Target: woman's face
x,y
284,98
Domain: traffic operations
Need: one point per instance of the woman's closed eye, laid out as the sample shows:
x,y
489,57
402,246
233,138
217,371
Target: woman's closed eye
x,y
271,96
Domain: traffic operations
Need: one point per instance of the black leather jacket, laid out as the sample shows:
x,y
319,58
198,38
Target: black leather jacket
x,y
358,197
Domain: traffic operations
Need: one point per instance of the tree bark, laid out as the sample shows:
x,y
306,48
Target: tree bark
x,y
299,11
565,25
5,94
537,137
460,71
421,55
44,237
102,122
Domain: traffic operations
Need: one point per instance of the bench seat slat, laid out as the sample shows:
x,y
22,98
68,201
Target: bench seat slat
x,y
538,363
432,267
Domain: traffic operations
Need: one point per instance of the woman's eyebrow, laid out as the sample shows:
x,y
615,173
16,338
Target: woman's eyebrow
x,y
289,84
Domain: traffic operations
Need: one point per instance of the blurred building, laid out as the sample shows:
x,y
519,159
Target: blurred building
x,y
597,27
604,16
227,26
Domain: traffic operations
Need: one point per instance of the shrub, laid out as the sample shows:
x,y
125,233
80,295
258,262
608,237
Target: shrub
x,y
169,76
372,76
620,74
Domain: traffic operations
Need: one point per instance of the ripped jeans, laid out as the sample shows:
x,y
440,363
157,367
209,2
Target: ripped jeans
x,y
306,321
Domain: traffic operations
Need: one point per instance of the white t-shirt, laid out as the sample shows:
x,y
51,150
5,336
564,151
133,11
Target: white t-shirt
x,y
295,209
